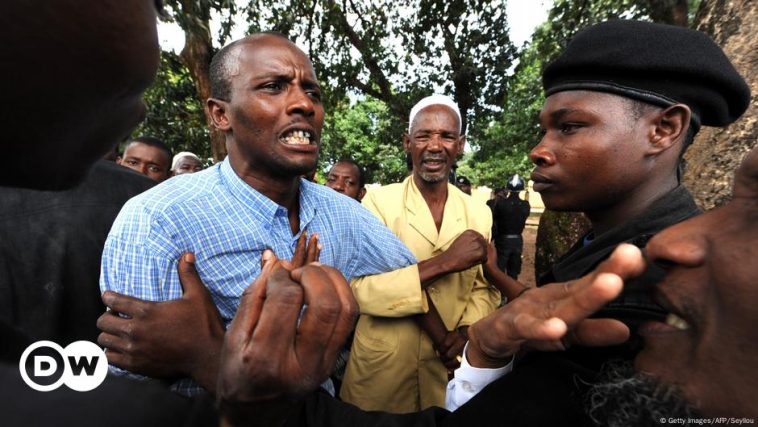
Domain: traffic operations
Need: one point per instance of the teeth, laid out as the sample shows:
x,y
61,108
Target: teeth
x,y
297,137
677,322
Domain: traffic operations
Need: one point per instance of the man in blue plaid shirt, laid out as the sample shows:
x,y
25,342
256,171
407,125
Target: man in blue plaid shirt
x,y
266,99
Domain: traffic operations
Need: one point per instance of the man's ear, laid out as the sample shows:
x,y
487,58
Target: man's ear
x,y
361,193
217,110
669,128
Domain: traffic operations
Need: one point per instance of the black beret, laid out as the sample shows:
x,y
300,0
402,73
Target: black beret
x,y
655,63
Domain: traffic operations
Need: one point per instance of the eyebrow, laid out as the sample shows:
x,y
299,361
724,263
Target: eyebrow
x,y
285,77
560,113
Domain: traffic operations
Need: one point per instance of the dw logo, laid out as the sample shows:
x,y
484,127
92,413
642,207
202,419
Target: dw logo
x,y
45,365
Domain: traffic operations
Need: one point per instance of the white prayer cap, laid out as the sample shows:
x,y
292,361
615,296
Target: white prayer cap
x,y
183,154
434,100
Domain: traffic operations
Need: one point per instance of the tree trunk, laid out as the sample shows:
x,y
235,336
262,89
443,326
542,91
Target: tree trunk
x,y
556,233
672,12
716,152
197,55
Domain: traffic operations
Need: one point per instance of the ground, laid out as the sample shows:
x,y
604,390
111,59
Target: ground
x,y
527,261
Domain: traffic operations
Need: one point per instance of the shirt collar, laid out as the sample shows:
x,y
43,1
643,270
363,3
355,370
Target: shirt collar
x,y
264,207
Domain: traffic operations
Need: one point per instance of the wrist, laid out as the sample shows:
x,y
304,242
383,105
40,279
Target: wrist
x,y
479,358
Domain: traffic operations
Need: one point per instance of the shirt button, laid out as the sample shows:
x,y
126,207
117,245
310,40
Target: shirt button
x,y
467,386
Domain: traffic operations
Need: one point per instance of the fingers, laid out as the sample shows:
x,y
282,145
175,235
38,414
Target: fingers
x,y
251,302
599,333
626,261
277,326
188,277
298,259
320,318
331,306
124,304
314,249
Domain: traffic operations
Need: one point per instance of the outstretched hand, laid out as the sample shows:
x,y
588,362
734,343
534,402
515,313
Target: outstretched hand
x,y
284,339
555,316
169,339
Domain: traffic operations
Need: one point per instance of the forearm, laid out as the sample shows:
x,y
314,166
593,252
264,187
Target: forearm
x,y
431,323
396,293
434,268
508,286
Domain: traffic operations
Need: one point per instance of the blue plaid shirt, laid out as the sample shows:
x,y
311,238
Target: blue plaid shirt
x,y
227,225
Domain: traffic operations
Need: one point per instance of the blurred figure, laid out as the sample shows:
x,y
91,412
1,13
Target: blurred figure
x,y
52,242
510,215
186,162
148,156
463,184
348,178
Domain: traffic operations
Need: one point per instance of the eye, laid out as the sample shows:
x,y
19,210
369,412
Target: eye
x,y
314,93
449,137
569,128
273,86
154,168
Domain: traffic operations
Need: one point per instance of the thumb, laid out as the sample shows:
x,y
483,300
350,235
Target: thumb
x,y
188,277
267,256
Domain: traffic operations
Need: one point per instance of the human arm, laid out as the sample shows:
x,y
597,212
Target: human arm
x,y
508,286
176,338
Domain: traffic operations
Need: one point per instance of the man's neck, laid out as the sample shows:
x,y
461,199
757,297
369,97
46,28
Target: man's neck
x,y
629,207
435,196
284,191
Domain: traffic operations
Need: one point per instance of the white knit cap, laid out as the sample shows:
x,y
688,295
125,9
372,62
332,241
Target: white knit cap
x,y
434,100
183,154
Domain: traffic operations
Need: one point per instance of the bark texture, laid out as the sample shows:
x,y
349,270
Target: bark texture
x,y
716,152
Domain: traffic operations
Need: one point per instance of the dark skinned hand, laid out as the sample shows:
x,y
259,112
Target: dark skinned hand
x,y
555,316
451,348
169,339
467,250
274,351
177,338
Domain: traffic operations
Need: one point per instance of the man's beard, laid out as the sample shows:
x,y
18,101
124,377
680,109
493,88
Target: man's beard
x,y
623,397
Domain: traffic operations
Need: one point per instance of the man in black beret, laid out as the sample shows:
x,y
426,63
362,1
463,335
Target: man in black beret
x,y
624,100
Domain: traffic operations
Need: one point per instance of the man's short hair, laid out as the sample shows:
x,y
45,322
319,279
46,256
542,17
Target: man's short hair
x,y
222,67
153,142
361,172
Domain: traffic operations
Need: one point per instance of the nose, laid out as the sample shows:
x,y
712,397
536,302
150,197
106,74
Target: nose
x,y
684,244
300,102
435,143
339,186
541,155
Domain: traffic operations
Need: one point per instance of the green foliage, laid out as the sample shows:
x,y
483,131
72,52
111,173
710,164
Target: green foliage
x,y
174,114
367,132
398,51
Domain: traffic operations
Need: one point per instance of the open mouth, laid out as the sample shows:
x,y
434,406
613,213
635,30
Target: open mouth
x,y
673,320
297,137
434,162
